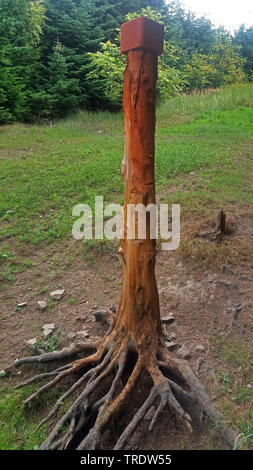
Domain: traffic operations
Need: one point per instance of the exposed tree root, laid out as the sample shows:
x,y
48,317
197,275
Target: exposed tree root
x,y
83,424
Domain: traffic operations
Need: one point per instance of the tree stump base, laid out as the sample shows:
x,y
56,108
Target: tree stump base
x,y
81,427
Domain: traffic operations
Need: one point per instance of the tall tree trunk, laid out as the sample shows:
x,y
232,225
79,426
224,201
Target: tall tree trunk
x,y
139,305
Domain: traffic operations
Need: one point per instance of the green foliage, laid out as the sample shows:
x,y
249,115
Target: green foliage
x,y
108,67
245,437
12,99
244,39
59,55
21,24
199,73
107,74
226,60
221,67
49,344
62,91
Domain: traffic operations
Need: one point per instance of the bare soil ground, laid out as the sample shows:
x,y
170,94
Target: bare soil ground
x,y
202,293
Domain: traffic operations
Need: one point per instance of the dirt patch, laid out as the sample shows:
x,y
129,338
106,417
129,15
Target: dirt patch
x,y
201,300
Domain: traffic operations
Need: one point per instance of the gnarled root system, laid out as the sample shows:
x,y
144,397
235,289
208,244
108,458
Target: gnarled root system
x,y
175,386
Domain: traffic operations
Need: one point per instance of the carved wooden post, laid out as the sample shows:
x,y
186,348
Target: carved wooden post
x,y
142,41
137,325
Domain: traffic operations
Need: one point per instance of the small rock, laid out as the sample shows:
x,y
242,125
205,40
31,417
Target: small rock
x,y
199,348
47,332
31,342
49,326
184,353
48,329
57,294
22,305
249,386
80,318
101,316
168,319
82,334
71,335
42,305
149,415
171,346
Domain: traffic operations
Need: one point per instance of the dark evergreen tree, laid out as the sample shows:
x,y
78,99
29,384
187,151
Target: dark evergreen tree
x,y
20,28
244,39
45,64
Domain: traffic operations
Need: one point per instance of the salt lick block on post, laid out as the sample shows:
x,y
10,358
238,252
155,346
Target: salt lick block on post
x,y
142,33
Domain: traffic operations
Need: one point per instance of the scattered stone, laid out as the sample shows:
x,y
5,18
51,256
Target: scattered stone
x,y
47,332
168,319
171,346
184,353
57,294
71,335
31,342
48,329
80,318
42,305
49,326
249,386
22,305
83,334
200,349
100,316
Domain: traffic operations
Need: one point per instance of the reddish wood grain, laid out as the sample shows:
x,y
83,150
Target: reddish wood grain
x,y
142,33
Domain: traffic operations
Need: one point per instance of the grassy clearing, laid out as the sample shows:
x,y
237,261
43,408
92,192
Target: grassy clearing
x,y
18,423
203,157
45,171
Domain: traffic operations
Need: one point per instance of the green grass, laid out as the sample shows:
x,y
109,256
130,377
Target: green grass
x,y
17,425
245,438
235,396
50,344
45,171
